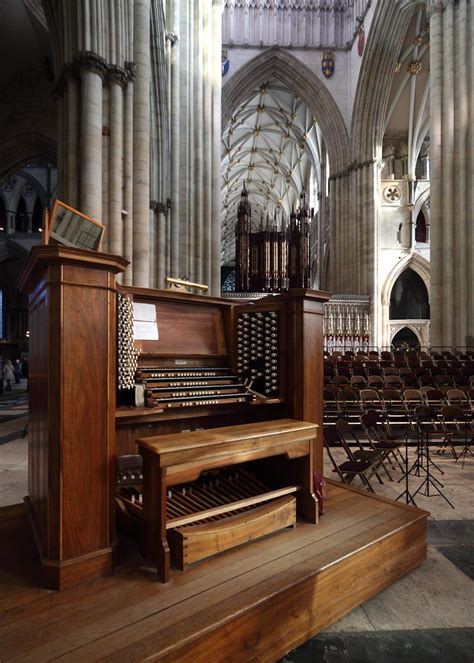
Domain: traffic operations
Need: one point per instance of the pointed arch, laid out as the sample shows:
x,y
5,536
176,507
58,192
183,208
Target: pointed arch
x,y
415,262
412,328
20,149
419,265
278,63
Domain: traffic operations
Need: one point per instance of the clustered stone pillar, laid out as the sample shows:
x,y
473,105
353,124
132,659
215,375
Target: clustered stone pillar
x,y
141,145
452,162
115,154
92,69
194,45
118,80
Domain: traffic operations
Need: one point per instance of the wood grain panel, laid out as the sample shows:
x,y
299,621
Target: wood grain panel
x,y
252,603
84,379
187,329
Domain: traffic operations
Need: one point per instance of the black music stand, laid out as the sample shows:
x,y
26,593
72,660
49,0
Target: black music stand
x,y
406,493
467,445
430,483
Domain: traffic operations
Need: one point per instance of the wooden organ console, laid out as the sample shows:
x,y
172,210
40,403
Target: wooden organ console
x,y
215,363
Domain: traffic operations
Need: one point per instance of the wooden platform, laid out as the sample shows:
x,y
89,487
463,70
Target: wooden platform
x,y
254,603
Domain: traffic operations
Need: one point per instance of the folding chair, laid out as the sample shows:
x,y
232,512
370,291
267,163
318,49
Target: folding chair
x,y
459,398
412,398
347,436
395,409
371,400
435,399
375,382
349,468
455,428
349,403
393,381
381,439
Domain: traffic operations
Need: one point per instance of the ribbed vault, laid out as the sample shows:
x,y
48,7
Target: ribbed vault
x,y
276,63
272,142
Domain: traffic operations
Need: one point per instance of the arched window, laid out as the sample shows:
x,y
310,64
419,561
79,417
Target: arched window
x,y
409,298
3,216
21,219
37,218
420,228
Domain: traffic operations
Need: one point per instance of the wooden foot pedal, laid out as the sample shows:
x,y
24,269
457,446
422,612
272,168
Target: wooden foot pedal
x,y
191,543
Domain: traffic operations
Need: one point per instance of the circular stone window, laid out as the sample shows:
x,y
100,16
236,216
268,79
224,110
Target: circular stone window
x,y
392,193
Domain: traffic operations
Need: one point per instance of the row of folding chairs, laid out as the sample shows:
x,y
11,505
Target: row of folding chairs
x,y
397,405
398,355
398,381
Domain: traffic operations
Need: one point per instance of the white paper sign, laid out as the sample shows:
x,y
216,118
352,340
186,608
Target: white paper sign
x,y
145,331
144,312
145,326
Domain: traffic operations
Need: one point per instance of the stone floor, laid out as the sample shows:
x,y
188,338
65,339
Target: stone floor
x,y
426,617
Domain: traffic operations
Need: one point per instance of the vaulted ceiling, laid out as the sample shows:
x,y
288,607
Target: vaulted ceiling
x,y
272,142
408,113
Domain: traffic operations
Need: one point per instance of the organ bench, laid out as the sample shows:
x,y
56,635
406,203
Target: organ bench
x,y
199,520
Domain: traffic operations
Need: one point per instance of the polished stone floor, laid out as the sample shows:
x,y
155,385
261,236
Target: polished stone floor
x,y
426,617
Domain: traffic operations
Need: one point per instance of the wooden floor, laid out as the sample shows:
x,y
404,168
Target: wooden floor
x,y
251,604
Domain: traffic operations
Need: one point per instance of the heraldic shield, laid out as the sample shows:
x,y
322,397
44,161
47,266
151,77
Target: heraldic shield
x,y
328,63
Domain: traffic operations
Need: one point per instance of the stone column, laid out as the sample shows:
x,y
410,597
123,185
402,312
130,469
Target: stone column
x,y
216,81
161,213
10,228
207,143
322,218
452,161
175,57
118,80
198,218
141,144
92,69
72,138
127,213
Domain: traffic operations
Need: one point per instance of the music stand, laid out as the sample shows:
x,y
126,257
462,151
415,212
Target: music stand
x,y
406,493
425,414
467,445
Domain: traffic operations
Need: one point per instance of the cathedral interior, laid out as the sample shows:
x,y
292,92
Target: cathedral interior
x,y
255,146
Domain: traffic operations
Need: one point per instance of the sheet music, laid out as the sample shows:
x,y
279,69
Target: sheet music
x,y
145,326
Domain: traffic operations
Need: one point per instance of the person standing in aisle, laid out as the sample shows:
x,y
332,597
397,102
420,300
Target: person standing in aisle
x,y
8,374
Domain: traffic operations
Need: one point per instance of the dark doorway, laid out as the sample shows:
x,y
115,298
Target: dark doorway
x,y
420,228
405,339
21,221
409,298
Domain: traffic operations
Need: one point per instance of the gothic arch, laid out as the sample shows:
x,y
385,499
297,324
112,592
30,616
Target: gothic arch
x,y
386,36
419,265
413,329
278,63
415,262
20,149
420,203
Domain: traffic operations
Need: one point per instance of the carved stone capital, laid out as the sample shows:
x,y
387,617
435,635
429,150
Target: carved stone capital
x,y
154,205
90,61
116,74
131,68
